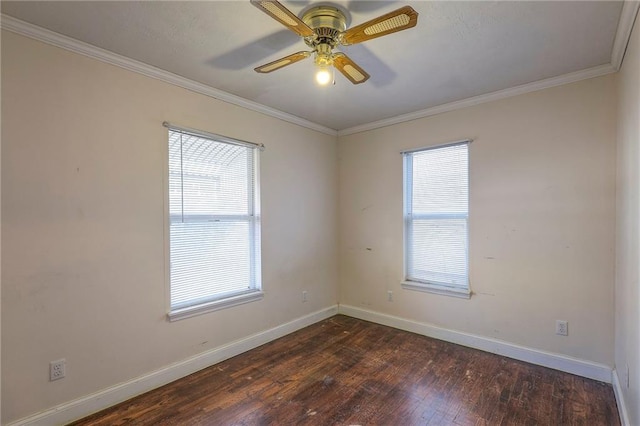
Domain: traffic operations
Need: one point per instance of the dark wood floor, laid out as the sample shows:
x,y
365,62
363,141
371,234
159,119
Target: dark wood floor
x,y
346,371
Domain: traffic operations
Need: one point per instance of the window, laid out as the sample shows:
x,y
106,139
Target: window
x,y
214,223
436,213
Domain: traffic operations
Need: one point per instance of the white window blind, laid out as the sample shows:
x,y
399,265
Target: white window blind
x,y
436,213
214,220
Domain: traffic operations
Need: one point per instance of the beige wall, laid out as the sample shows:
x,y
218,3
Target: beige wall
x,y
542,219
627,303
83,225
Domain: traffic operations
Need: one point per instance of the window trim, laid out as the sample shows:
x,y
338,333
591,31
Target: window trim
x,y
407,188
236,298
213,136
437,289
215,305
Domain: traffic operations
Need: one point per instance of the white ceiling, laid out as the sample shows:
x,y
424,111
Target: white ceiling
x,y
458,50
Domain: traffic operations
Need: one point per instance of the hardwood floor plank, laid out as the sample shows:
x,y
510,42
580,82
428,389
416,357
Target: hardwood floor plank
x,y
344,371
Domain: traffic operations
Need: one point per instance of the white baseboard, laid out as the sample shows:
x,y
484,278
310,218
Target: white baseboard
x,y
622,407
564,363
105,398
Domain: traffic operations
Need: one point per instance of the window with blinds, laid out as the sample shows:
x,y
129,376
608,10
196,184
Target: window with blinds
x,y
436,213
214,230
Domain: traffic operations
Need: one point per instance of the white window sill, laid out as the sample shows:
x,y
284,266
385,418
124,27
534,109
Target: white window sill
x,y
216,305
463,293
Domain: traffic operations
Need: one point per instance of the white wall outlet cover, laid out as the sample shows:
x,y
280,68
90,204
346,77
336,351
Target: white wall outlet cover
x,y
562,328
57,369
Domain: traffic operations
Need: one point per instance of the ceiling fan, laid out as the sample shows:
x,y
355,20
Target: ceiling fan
x,y
323,28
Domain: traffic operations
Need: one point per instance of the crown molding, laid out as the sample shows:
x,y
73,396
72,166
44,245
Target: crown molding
x,y
625,26
481,99
41,34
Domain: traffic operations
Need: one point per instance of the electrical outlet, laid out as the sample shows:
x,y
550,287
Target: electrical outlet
x,y
562,328
390,296
57,369
304,295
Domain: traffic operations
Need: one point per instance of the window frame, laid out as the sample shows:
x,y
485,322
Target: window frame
x,y
408,218
234,298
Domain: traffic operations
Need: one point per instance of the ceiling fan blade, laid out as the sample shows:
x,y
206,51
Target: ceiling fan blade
x,y
283,15
398,20
349,69
282,62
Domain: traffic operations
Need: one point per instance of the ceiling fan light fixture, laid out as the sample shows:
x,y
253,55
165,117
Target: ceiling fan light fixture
x,y
324,75
324,64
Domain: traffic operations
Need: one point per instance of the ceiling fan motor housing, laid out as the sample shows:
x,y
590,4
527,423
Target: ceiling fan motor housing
x,y
327,23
